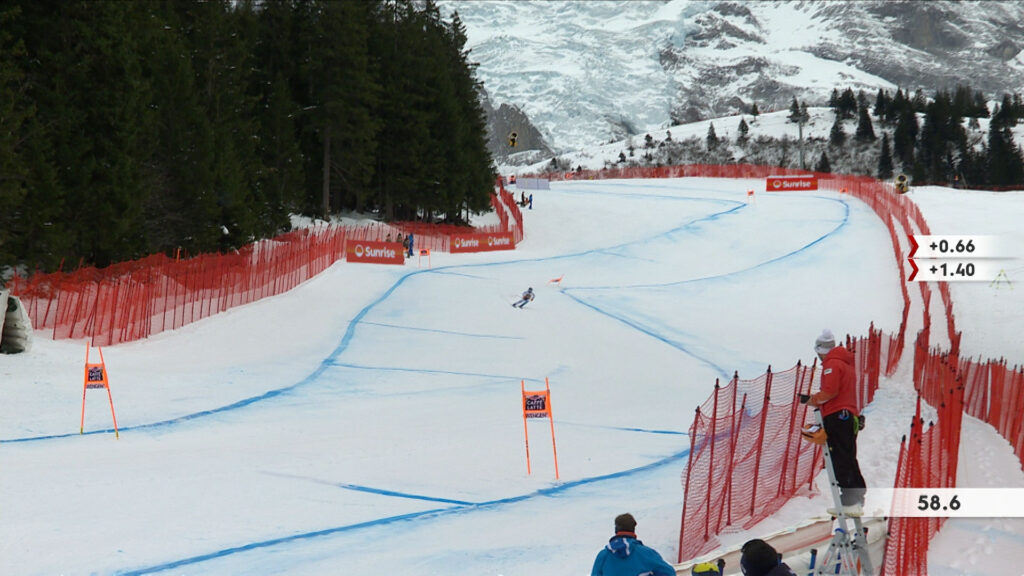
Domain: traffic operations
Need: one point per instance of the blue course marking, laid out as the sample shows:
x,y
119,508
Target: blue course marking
x,y
383,492
426,514
437,331
350,331
840,225
502,377
636,326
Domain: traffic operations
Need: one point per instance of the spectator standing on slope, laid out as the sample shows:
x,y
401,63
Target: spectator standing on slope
x,y
625,555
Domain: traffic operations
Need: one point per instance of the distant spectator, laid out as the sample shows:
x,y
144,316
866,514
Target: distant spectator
x,y
405,244
409,247
624,555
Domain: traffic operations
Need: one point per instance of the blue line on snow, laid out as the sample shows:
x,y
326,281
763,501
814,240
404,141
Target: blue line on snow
x,y
383,492
437,331
842,223
457,509
429,371
350,331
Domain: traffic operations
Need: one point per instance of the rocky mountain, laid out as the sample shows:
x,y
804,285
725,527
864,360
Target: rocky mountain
x,y
596,71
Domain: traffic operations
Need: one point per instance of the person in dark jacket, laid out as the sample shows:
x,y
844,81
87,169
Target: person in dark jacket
x,y
837,401
758,558
624,555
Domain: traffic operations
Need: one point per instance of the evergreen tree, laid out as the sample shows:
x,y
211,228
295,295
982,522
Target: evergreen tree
x,y
847,104
16,112
823,164
920,101
895,107
754,111
1004,161
885,166
92,101
865,130
795,115
182,210
862,99
742,130
905,135
881,101
837,136
980,108
941,133
712,139
345,94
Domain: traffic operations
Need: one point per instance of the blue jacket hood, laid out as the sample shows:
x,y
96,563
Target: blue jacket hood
x,y
621,546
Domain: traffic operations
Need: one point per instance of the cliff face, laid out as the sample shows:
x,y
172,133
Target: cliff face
x,y
591,72
504,120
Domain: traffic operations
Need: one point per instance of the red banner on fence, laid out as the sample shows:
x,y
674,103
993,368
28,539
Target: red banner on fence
x,y
784,183
375,252
482,242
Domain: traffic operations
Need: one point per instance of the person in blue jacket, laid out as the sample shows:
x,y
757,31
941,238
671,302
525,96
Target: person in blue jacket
x,y
409,237
624,555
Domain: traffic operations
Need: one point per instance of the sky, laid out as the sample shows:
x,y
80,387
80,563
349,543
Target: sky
x,y
369,420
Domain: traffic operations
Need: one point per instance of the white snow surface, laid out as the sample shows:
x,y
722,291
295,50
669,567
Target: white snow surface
x,y
369,420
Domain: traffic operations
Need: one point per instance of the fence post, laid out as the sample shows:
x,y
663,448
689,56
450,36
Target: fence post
x,y
686,487
760,437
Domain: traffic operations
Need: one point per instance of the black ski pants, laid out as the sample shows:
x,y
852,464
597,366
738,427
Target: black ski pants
x,y
842,443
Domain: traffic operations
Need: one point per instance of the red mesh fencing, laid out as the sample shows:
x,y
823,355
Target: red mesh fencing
x,y
132,300
928,458
746,454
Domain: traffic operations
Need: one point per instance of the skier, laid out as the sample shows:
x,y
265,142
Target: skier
x,y
527,296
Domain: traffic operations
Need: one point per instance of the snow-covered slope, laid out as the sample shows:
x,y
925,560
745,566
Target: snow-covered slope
x,y
595,71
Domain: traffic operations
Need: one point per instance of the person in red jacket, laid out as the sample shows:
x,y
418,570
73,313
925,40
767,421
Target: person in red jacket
x,y
837,401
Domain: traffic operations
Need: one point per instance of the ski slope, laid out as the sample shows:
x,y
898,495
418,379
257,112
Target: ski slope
x,y
369,421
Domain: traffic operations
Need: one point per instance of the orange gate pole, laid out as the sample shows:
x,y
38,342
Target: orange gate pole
x,y
526,432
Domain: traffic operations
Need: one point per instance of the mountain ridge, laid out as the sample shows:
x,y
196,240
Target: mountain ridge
x,y
590,72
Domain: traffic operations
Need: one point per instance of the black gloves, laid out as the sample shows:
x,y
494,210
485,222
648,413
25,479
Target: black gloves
x,y
804,398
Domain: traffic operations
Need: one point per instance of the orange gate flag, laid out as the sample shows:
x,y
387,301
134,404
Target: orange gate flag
x,y
537,404
96,377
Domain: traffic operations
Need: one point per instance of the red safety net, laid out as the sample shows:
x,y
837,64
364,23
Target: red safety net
x,y
746,454
928,458
132,300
